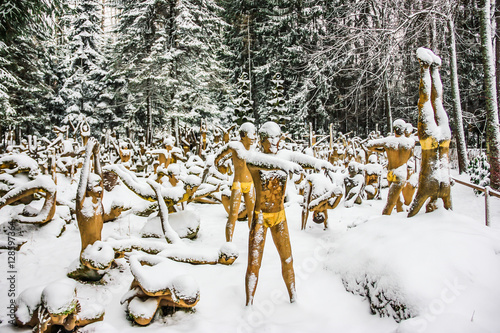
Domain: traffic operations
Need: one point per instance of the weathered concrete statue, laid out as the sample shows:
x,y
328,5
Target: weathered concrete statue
x,y
242,180
89,209
270,178
269,173
399,149
434,135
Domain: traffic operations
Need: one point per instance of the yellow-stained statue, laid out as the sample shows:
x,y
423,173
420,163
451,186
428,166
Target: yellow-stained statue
x,y
434,135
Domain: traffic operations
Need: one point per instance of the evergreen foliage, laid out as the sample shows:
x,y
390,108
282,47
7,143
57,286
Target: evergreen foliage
x,y
243,110
479,171
84,65
350,64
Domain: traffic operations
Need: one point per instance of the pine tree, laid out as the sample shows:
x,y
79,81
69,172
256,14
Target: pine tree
x,y
243,111
84,64
277,108
26,28
165,58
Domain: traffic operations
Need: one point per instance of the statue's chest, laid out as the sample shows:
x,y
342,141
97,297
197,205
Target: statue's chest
x,y
273,181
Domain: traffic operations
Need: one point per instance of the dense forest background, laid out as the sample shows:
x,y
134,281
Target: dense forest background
x,y
142,66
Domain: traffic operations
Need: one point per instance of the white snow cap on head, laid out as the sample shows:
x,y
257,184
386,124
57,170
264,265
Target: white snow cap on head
x,y
170,141
428,56
373,158
399,123
248,128
399,126
174,168
409,128
269,128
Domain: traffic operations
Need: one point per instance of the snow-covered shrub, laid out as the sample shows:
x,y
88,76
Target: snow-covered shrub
x,y
479,171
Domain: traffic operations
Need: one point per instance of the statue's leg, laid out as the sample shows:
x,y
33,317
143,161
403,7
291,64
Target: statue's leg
x,y
431,205
305,209
281,239
419,200
234,206
392,197
426,123
437,99
256,242
446,196
249,205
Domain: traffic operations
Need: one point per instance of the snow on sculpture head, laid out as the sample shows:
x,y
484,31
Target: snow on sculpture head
x,y
270,135
353,168
94,183
399,126
169,142
248,135
174,169
269,129
248,129
408,129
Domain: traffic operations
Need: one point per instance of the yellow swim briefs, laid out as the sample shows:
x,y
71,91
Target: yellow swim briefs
x,y
272,219
391,177
245,187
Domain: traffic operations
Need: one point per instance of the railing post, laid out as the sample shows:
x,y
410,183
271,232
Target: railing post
x,y
487,205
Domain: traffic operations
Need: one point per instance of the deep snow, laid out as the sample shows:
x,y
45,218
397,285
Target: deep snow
x,y
443,265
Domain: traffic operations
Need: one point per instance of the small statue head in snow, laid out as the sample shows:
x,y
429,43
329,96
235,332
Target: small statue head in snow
x,y
373,159
248,134
409,130
399,126
353,168
270,136
94,185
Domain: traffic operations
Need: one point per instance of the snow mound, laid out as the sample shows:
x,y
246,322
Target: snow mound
x,y
28,301
185,223
98,255
59,297
160,276
403,266
229,249
90,310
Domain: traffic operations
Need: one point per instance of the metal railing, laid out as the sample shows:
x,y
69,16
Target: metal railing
x,y
488,191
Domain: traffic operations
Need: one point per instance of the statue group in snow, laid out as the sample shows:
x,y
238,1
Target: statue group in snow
x,y
225,168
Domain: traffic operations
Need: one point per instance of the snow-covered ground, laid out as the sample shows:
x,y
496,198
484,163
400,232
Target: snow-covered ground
x,y
441,268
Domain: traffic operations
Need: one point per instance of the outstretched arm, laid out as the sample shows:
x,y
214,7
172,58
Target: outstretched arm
x,y
376,145
305,161
85,172
225,150
271,162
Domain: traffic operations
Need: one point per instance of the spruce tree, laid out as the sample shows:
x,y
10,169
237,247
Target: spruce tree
x,y
84,64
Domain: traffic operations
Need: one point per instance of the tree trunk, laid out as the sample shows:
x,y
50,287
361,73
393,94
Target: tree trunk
x,y
457,106
388,111
492,130
149,124
497,44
